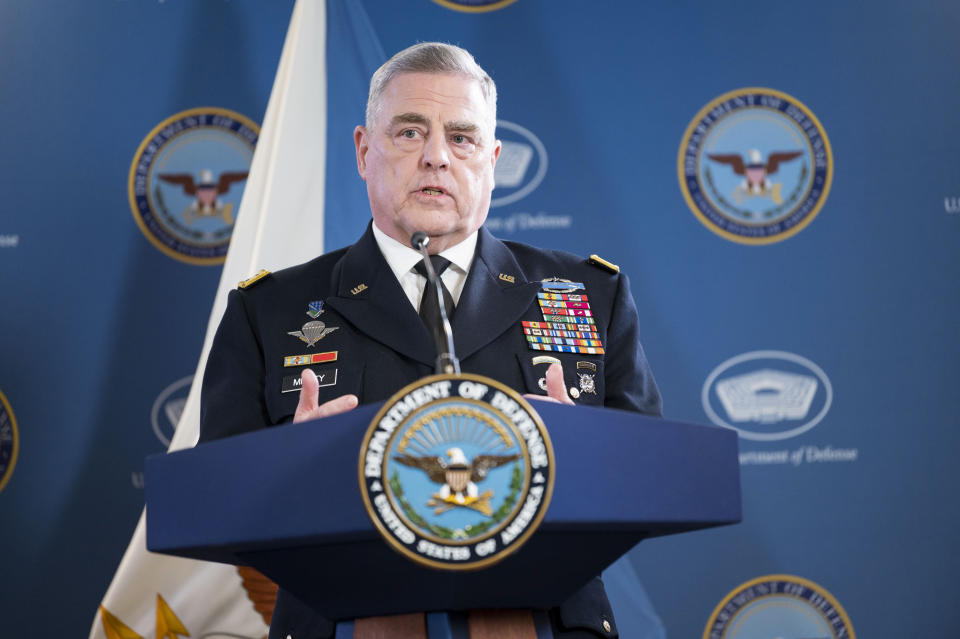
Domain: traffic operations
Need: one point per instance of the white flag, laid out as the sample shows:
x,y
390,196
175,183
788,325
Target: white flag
x,y
279,224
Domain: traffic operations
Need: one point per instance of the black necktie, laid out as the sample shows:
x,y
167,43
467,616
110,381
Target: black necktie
x,y
429,308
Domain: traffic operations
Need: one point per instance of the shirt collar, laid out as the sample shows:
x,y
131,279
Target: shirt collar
x,y
403,258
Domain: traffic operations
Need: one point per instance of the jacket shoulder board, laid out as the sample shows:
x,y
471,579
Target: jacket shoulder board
x,y
596,260
262,273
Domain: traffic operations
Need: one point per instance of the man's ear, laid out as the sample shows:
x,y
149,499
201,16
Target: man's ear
x,y
496,153
362,143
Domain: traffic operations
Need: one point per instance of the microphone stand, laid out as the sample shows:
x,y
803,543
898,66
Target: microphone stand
x,y
447,361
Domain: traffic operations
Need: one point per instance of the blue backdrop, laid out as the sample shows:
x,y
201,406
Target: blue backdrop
x,y
832,350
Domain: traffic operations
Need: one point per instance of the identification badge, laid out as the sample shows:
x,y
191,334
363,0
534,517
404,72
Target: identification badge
x,y
326,375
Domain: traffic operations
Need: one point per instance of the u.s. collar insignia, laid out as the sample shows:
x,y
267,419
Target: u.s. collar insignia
x,y
456,472
314,309
313,332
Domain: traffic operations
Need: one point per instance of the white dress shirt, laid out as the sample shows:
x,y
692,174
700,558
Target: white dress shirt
x,y
402,259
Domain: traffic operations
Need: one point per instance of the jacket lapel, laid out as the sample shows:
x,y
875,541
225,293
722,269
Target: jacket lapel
x,y
370,298
490,304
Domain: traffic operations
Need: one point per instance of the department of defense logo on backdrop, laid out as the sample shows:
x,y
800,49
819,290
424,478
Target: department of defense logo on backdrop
x,y
767,395
456,472
779,606
755,166
474,6
186,181
9,441
521,166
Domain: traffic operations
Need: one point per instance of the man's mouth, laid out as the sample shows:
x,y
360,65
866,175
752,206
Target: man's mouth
x,y
429,190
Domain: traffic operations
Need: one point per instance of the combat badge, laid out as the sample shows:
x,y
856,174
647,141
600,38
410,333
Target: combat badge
x,y
560,285
456,472
313,332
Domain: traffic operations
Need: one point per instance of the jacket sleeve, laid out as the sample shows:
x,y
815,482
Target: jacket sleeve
x,y
232,397
628,380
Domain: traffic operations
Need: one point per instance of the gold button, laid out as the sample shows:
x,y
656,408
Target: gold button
x,y
574,392
606,626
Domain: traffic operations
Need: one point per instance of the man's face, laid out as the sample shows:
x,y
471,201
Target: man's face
x,y
428,159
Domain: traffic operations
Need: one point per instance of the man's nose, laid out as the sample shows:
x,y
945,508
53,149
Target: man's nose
x,y
435,153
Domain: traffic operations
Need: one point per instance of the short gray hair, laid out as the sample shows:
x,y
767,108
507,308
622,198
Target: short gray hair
x,y
430,57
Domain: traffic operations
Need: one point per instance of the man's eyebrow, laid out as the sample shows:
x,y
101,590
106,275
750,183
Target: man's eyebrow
x,y
409,118
461,126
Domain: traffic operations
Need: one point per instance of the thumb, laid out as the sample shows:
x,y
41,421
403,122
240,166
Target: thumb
x,y
555,385
309,395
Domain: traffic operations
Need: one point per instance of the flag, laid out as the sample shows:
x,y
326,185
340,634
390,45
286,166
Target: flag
x,y
280,223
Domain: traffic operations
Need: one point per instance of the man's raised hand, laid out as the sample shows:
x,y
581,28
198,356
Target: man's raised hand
x,y
556,391
308,409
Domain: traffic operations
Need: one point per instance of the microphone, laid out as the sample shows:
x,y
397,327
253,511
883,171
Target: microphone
x,y
419,241
447,361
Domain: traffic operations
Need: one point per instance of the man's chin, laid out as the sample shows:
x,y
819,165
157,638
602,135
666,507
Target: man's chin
x,y
436,224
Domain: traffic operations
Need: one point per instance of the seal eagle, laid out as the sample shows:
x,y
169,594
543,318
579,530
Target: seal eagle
x,y
458,477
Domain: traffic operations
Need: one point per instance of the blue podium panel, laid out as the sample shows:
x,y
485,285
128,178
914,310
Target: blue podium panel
x,y
287,501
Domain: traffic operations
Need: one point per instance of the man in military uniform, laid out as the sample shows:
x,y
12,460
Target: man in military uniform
x,y
317,339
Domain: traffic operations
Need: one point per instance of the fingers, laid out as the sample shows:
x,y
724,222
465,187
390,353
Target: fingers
x,y
308,408
556,389
309,395
339,405
541,398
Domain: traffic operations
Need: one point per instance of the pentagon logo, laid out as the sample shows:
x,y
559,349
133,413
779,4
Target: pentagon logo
x,y
767,395
755,166
167,409
779,606
186,181
456,472
522,164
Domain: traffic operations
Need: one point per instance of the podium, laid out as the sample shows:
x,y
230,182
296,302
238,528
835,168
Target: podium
x,y
286,500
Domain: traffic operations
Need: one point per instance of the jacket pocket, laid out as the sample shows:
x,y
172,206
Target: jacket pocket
x,y
582,375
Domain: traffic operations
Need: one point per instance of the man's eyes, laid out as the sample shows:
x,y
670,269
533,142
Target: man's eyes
x,y
458,139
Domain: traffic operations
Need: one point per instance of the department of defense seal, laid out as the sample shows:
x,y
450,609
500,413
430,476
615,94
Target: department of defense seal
x,y
186,181
9,441
755,166
456,472
779,606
